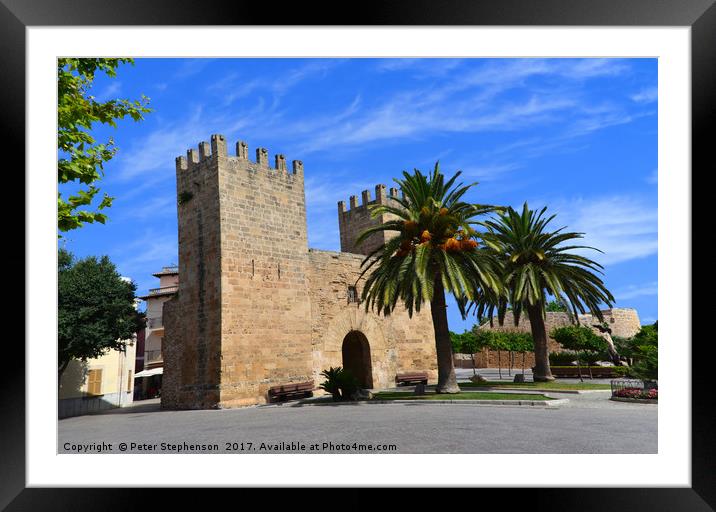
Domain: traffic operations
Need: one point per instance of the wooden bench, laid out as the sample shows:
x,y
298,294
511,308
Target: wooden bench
x,y
290,391
407,378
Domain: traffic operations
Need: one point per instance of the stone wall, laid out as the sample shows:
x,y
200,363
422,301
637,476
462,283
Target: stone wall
x,y
491,359
397,343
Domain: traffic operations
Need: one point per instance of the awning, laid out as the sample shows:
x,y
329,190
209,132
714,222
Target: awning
x,y
149,373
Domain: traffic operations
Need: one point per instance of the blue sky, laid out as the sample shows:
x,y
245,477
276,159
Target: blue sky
x,y
576,135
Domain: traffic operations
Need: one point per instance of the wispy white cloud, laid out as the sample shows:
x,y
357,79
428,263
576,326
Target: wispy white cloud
x,y
397,64
489,172
110,92
471,102
236,85
153,208
637,290
422,68
595,121
404,117
191,67
144,255
323,191
623,227
591,68
648,95
150,159
653,178
157,149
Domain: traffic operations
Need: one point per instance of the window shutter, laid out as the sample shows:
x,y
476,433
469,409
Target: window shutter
x,y
94,382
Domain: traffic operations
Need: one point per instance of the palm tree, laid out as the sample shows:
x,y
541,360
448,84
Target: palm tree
x,y
535,264
435,251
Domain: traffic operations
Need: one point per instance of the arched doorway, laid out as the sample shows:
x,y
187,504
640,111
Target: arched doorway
x,y
356,358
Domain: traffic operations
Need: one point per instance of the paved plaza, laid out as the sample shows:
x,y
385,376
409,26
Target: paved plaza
x,y
588,423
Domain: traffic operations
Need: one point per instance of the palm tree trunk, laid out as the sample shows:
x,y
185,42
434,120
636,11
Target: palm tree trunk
x,y
539,335
447,383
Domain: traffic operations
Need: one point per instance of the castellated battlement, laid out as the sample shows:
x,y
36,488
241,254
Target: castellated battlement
x,y
217,149
381,197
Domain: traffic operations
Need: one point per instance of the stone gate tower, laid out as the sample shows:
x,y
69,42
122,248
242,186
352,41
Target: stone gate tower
x,y
358,218
255,307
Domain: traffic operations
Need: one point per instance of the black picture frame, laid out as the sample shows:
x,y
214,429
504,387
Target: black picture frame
x,y
17,15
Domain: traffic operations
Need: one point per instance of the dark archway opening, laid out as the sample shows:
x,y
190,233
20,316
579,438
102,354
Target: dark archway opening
x,y
356,358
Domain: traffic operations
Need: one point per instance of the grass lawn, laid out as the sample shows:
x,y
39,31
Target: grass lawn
x,y
537,385
465,395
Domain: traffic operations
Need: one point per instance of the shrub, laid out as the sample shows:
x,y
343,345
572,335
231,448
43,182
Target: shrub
x,y
331,383
562,358
348,384
340,383
576,337
621,371
588,357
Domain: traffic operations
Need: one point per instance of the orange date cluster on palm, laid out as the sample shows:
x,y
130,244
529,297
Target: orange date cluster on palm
x,y
457,243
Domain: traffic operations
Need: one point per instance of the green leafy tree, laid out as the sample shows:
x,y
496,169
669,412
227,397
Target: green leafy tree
x,y
556,307
536,264
521,342
456,341
582,340
435,252
645,351
467,343
498,341
96,311
80,158
483,338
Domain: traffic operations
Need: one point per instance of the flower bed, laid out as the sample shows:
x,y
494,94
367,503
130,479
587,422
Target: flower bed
x,y
638,393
